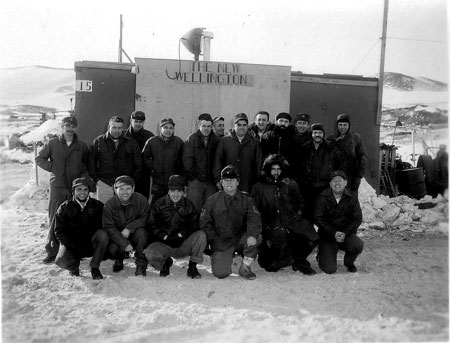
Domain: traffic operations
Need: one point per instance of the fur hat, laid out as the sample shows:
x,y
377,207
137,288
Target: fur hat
x,y
283,115
176,182
318,127
345,118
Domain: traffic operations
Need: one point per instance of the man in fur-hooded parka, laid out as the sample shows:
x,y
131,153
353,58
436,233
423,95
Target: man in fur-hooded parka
x,y
287,236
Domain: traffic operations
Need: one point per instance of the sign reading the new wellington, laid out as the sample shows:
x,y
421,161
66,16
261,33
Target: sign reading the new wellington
x,y
213,73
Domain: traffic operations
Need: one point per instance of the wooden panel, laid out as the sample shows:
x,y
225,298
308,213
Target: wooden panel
x,y
184,89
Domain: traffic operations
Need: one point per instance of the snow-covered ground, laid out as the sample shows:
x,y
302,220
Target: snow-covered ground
x,y
400,292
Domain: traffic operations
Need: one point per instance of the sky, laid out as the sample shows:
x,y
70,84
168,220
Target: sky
x,y
318,37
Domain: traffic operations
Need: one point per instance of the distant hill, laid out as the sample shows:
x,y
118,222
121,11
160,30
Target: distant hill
x,y
408,83
36,86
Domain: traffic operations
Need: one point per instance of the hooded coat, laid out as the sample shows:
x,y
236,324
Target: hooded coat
x,y
349,154
279,201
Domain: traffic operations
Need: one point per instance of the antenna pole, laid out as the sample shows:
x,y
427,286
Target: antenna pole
x,y
382,59
120,40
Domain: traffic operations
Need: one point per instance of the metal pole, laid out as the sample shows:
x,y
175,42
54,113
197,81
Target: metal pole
x,y
120,40
35,165
382,59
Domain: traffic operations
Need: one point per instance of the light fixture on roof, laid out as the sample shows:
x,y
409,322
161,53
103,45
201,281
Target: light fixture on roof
x,y
198,40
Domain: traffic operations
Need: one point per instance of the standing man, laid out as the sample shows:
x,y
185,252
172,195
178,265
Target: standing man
x,y
163,156
281,140
316,164
219,126
286,235
198,157
124,218
78,227
232,223
260,125
349,152
65,158
173,221
301,123
136,130
112,155
338,216
240,150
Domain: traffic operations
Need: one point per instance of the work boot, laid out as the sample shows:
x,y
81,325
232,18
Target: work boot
x,y
141,271
75,272
49,260
192,271
165,270
118,266
303,267
96,274
352,268
246,272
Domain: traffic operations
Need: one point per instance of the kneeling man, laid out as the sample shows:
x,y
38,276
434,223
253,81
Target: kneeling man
x,y
338,216
124,218
232,223
78,228
173,221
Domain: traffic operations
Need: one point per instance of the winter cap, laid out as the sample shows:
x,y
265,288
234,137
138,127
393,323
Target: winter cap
x,y
138,115
69,120
82,181
166,121
240,116
123,180
345,118
229,172
283,115
340,173
176,182
302,117
317,127
205,116
216,119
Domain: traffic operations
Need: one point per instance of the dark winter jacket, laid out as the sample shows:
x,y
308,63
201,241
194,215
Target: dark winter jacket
x,y
164,158
141,136
173,219
75,227
280,202
245,157
253,130
106,162
331,216
117,217
349,154
280,141
197,158
315,165
65,163
226,219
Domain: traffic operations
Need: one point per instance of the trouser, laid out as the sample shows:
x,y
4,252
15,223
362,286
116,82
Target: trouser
x,y
143,183
101,250
275,252
310,194
353,184
57,196
222,260
301,246
352,245
139,240
104,191
158,191
193,246
199,191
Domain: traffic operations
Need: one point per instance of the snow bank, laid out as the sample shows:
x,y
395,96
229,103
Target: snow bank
x,y
402,213
49,127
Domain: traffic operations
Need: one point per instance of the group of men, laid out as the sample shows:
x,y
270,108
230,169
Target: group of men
x,y
254,190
